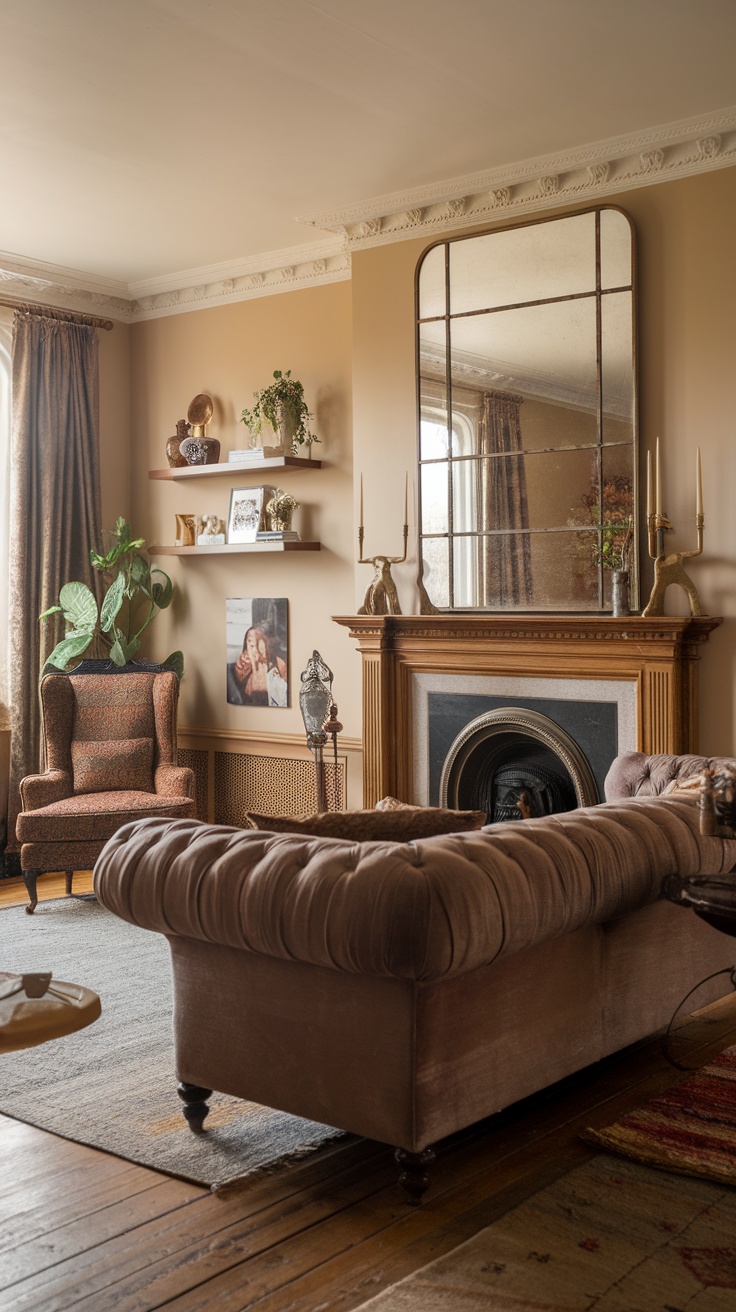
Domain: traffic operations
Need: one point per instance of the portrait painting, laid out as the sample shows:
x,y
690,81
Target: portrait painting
x,y
257,651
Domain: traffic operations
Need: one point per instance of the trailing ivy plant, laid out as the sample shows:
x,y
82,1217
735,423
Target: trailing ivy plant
x,y
134,597
285,395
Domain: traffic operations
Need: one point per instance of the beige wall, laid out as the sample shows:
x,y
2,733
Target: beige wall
x,y
353,347
229,352
687,295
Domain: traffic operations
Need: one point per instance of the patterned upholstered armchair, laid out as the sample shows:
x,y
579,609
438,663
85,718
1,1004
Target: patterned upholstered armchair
x,y
111,757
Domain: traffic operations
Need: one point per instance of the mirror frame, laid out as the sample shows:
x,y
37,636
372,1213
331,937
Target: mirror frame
x,y
604,606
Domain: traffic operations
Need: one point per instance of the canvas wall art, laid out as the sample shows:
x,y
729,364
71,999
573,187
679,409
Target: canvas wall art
x,y
257,651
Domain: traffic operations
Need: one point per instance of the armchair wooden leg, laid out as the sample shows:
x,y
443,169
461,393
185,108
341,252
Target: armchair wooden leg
x,y
29,879
195,1106
414,1177
69,877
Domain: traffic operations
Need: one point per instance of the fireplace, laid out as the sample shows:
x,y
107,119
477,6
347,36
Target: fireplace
x,y
515,763
606,685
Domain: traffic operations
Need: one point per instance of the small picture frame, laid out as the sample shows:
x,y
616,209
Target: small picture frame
x,y
247,514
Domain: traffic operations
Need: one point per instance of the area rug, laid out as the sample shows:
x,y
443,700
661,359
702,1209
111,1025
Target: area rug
x,y
690,1129
113,1085
610,1236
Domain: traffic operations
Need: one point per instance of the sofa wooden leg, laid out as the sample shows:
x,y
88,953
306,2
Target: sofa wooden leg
x,y
29,879
69,877
414,1177
195,1106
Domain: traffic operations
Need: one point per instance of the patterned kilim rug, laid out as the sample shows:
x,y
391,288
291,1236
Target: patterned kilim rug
x,y
112,1085
610,1236
690,1129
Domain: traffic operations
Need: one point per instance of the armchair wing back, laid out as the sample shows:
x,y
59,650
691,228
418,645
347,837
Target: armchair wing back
x,y
110,743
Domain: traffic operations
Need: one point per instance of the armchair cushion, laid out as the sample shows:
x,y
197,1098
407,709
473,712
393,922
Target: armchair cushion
x,y
125,763
94,817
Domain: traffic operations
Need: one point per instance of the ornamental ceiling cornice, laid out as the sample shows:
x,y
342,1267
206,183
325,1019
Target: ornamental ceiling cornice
x,y
590,173
661,154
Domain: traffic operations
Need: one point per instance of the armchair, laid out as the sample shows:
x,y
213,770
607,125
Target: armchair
x,y
111,757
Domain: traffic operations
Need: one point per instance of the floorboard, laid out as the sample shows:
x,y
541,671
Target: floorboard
x,y
83,1230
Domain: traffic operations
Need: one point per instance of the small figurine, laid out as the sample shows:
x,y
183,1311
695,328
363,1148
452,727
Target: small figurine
x,y
210,534
185,530
280,509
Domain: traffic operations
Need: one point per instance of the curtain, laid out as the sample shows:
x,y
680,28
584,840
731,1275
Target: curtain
x,y
55,513
505,558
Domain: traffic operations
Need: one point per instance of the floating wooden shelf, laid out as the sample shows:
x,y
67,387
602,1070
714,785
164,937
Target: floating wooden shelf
x,y
210,471
233,549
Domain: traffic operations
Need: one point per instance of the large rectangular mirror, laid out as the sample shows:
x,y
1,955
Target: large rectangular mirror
x,y
527,415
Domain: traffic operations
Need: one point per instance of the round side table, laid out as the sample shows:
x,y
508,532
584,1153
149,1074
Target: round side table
x,y
36,1008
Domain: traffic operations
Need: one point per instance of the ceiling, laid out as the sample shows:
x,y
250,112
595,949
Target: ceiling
x,y
150,137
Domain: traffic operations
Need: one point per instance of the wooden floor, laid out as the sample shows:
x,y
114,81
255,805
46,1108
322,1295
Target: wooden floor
x,y
84,1230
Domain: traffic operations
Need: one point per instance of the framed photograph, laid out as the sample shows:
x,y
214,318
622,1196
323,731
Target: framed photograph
x,y
257,651
247,513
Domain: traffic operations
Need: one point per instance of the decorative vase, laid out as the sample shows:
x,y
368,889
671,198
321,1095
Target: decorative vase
x,y
173,446
201,450
286,429
620,592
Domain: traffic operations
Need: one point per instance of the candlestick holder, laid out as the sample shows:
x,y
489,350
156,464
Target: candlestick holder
x,y
381,597
668,568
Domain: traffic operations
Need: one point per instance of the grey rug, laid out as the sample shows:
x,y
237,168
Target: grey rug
x,y
112,1085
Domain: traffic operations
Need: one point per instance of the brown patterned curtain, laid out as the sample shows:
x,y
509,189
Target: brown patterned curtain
x,y
55,515
505,560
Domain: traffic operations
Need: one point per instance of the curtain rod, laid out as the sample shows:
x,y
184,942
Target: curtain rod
x,y
50,312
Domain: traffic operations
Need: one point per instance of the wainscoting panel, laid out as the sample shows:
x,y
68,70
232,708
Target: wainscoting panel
x,y
274,774
274,785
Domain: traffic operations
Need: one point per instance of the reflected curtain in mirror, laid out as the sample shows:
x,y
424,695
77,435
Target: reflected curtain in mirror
x,y
505,559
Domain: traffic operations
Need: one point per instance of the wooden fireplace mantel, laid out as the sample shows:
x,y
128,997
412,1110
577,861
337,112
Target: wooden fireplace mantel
x,y
658,655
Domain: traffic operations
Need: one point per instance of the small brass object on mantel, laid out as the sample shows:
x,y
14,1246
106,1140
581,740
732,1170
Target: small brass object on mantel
x,y
668,568
381,597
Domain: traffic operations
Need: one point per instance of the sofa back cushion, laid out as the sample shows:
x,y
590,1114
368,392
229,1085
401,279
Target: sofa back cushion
x,y
400,825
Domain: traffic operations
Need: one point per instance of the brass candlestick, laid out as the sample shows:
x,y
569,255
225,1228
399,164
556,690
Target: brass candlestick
x,y
381,597
669,569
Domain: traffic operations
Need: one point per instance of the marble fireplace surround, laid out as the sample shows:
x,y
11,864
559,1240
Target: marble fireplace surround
x,y
647,669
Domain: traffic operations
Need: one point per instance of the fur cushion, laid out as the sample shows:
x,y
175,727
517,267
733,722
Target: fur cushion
x,y
124,764
399,825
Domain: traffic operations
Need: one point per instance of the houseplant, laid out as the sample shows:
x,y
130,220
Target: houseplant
x,y
135,595
282,406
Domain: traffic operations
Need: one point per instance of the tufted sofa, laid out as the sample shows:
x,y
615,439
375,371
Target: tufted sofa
x,y
405,990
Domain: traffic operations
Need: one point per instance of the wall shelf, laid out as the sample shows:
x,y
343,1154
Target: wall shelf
x,y
212,471
233,549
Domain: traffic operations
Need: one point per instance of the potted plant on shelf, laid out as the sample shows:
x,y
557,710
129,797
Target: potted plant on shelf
x,y
282,406
134,597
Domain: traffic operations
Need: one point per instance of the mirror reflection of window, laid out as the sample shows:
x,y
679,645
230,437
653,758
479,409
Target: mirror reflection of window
x,y
527,441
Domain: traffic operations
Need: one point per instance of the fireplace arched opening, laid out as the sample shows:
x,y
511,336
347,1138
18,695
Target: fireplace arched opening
x,y
516,764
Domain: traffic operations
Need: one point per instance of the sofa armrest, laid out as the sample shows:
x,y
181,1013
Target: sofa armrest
x,y
38,790
416,911
634,774
174,781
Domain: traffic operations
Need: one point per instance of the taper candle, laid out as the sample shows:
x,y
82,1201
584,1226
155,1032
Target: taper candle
x,y
406,497
658,481
650,498
698,485
360,525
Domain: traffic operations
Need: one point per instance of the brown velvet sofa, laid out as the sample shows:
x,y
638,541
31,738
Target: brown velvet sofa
x,y
403,991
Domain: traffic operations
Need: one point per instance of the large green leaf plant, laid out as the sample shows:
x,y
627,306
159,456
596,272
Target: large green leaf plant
x,y
136,593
